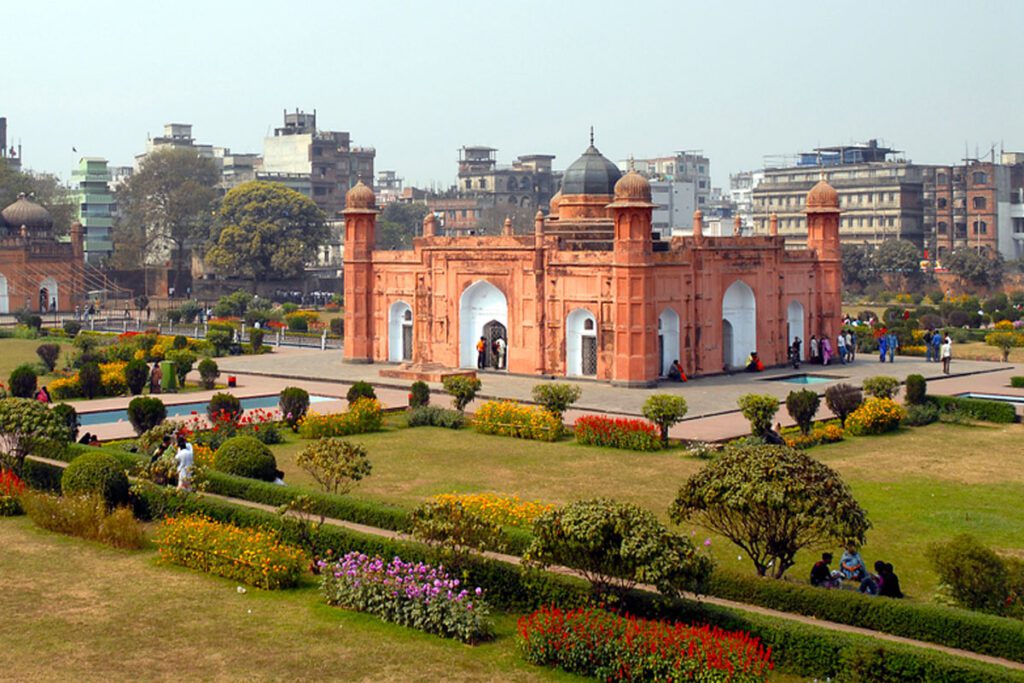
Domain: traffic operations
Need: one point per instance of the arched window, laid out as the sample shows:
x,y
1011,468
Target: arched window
x,y
980,203
400,332
942,227
580,343
980,228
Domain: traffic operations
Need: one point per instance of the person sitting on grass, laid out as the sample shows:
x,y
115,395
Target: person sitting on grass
x,y
822,576
675,372
851,566
889,583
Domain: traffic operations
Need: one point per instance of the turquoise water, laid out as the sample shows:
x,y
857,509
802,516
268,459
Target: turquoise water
x,y
1016,400
804,379
185,409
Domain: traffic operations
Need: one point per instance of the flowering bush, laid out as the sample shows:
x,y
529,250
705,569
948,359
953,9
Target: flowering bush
x,y
259,423
875,416
829,433
251,556
416,595
364,415
65,387
502,510
592,642
617,432
508,418
11,487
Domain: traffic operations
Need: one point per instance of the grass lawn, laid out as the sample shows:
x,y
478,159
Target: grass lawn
x,y
982,351
918,486
14,352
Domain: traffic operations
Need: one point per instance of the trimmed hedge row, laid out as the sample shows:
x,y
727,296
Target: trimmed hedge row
x,y
950,626
797,648
978,408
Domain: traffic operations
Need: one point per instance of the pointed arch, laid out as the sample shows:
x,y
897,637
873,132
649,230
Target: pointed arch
x,y
668,339
580,343
481,303
5,306
795,325
399,332
739,310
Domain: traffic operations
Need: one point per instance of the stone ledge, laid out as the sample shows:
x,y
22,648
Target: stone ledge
x,y
426,372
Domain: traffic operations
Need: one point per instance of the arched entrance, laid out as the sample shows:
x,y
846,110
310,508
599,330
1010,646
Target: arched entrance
x,y
739,310
399,332
581,343
668,339
5,306
795,325
48,295
493,331
480,304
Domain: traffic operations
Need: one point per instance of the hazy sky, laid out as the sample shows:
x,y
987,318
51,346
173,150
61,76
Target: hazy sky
x,y
416,80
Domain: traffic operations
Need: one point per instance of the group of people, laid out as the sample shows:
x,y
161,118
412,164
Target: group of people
x,y
882,582
822,351
888,342
499,347
938,347
177,449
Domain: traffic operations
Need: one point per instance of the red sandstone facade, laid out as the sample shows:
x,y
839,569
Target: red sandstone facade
x,y
590,293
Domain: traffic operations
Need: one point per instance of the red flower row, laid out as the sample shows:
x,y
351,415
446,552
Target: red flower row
x,y
10,484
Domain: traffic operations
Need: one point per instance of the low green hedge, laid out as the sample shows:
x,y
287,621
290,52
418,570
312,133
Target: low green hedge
x,y
953,627
797,648
977,408
1017,381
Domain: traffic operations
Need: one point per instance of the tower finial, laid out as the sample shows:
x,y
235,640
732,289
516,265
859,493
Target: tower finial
x,y
591,136
632,163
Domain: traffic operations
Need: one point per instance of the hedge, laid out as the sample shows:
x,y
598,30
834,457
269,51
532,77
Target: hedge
x,y
977,408
797,648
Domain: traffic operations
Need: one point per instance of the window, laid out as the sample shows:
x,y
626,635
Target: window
x,y
483,183
319,191
942,227
980,203
702,184
588,325
980,178
980,227
941,179
941,202
469,183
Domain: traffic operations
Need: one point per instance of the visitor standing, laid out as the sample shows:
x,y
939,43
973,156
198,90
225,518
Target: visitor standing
x,y
946,352
156,376
826,350
936,342
851,345
882,341
794,353
184,459
481,353
500,348
815,350
892,344
928,351
841,348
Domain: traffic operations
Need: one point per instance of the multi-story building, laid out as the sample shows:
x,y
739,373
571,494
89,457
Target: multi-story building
x,y
389,187
176,136
741,193
319,163
881,198
674,207
95,204
687,166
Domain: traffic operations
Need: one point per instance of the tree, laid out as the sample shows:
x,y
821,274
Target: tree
x,y
45,189
615,546
759,409
166,207
858,266
900,260
974,268
266,231
28,426
771,501
556,397
399,223
665,410
335,464
802,406
462,388
1005,341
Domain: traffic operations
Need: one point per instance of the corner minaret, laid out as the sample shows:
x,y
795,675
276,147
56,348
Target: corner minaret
x,y
635,362
360,241
823,239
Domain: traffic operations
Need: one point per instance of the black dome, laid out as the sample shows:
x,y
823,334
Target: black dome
x,y
590,174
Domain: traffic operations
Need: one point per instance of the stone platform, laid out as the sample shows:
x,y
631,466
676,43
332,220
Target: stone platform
x,y
424,372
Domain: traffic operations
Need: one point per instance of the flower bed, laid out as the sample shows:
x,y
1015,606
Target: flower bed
x,y
11,487
502,510
251,556
508,418
415,595
617,432
364,415
592,642
875,416
830,433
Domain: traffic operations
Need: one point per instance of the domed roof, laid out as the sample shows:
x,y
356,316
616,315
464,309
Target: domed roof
x,y
822,197
592,173
26,212
633,187
360,197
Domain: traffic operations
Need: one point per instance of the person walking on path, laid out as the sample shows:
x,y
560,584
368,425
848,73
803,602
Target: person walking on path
x,y
946,353
891,345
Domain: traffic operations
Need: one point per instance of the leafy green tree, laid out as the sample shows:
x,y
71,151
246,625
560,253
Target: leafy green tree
x,y
266,231
665,410
858,266
166,207
28,426
974,574
45,189
399,223
337,465
771,501
901,261
556,397
974,268
462,388
615,546
759,409
1005,341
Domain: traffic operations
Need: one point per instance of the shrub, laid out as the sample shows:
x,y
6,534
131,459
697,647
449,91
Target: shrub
x,y
297,322
183,360
69,417
294,403
173,315
49,354
455,530
462,388
1005,341
415,595
254,557
802,406
256,339
220,337
616,545
595,643
338,326
86,517
335,464
976,408
208,373
875,416
917,389
146,412
499,509
617,432
665,410
759,409
435,416
11,489
245,456
90,379
136,374
508,418
112,378
975,576
72,328
360,390
1017,382
365,415
419,395
22,381
96,474
225,404
28,426
842,399
64,388
556,397
921,415
881,386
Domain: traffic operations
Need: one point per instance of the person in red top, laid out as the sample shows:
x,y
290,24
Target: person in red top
x,y
676,373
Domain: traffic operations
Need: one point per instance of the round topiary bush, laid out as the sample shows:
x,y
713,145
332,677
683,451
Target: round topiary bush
x,y
224,404
90,378
419,395
360,390
917,390
146,412
136,374
96,473
23,381
294,402
245,456
208,372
